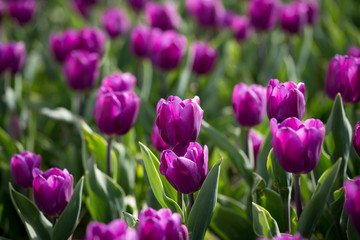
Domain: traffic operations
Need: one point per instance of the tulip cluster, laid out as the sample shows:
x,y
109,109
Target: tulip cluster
x,y
12,57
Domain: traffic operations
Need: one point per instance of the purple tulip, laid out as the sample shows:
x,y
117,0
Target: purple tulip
x,y
353,51
179,122
297,145
285,100
343,77
116,112
115,22
293,17
257,140
137,5
285,236
82,7
81,70
185,167
139,40
4,56
22,10
163,16
352,201
118,82
208,13
62,44
17,57
116,229
21,167
204,58
157,141
263,13
161,224
356,138
166,49
249,104
92,39
228,18
312,11
241,27
52,190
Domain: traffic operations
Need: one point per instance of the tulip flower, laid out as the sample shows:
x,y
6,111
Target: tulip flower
x,y
21,167
16,57
116,229
157,141
263,14
163,16
352,201
356,138
62,44
82,7
241,27
312,11
52,190
354,51
92,39
179,122
161,224
115,22
81,70
208,13
257,140
204,58
4,56
137,5
139,40
285,100
249,104
22,10
293,17
118,82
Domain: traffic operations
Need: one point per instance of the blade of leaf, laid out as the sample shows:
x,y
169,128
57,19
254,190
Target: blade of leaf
x,y
263,223
263,156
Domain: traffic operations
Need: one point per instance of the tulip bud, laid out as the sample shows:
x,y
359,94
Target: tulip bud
x,y
92,39
285,100
116,112
21,167
352,201
297,145
22,10
356,138
249,104
343,77
161,224
241,27
116,229
157,141
115,22
167,49
257,140
208,13
312,11
293,17
81,70
52,190
285,236
263,13
353,51
163,16
139,40
17,57
118,82
137,5
179,122
63,43
204,58
82,7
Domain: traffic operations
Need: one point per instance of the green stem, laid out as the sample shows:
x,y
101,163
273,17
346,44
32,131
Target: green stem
x,y
244,140
108,156
163,88
191,200
298,195
180,199
81,99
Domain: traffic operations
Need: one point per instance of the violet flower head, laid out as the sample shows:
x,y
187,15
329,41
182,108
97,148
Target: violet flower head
x,y
115,22
157,141
163,16
21,167
4,56
22,10
137,5
161,224
356,138
166,49
139,40
297,145
285,236
81,70
62,44
293,17
118,82
353,51
249,104
352,201
52,189
82,7
92,39
312,11
207,13
116,112
17,57
241,27
257,140
116,229
285,100
343,76
204,58
263,14
179,122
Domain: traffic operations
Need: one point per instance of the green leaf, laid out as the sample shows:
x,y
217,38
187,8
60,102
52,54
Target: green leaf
x,y
185,77
37,226
238,157
130,219
351,231
263,157
282,179
66,224
147,79
315,206
204,205
264,224
59,114
7,143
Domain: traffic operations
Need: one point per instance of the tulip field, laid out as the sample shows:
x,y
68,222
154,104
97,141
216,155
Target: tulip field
x,y
178,120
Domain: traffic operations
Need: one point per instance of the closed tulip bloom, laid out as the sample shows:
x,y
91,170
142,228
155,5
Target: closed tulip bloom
x,y
116,112
52,189
352,201
163,16
137,5
118,82
285,100
257,140
179,122
249,104
343,77
353,51
263,14
356,138
62,44
81,70
204,58
4,56
82,7
115,22
167,49
139,40
161,225
21,167
297,145
17,57
116,229
157,141
293,17
241,27
312,11
22,10
92,39
208,13
285,236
